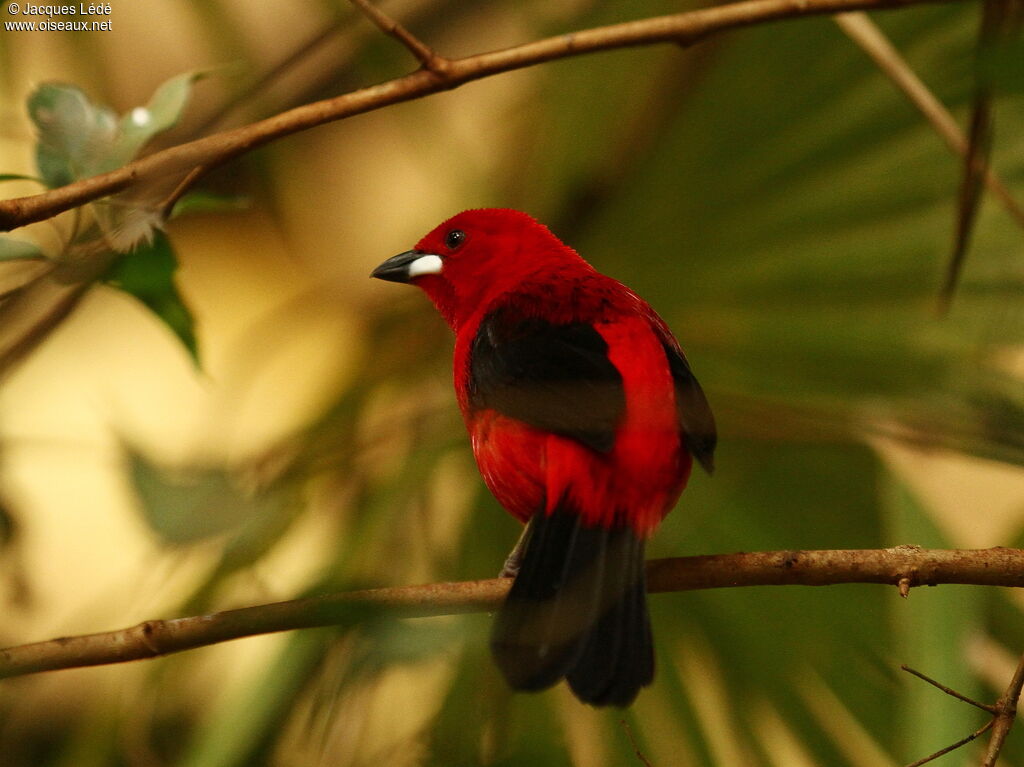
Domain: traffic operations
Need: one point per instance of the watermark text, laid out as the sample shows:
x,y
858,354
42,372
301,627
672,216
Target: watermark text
x,y
83,17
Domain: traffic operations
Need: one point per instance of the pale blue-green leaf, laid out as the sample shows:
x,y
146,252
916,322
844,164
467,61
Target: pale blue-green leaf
x,y
14,250
74,136
162,112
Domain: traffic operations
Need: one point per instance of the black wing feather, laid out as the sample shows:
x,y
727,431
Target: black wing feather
x,y
696,420
555,377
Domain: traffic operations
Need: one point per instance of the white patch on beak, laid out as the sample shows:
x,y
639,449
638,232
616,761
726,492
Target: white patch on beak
x,y
428,264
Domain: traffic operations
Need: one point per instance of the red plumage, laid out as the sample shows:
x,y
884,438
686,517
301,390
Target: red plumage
x,y
584,419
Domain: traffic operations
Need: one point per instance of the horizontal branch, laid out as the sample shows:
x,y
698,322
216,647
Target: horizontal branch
x,y
903,566
442,74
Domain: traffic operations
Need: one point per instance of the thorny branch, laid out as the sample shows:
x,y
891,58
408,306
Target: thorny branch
x,y
919,567
437,74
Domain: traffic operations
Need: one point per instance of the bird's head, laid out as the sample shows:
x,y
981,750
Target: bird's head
x,y
477,255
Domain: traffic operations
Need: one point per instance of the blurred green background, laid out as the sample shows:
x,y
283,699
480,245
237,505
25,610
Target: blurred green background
x,y
787,211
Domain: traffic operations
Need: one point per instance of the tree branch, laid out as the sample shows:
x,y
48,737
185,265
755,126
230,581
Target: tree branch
x,y
918,567
174,163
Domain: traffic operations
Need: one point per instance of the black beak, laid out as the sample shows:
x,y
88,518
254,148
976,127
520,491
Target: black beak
x,y
396,268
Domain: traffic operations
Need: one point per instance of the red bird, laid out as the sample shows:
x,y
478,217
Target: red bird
x,y
584,419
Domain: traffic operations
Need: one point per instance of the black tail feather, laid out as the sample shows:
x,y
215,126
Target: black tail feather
x,y
618,658
538,632
577,609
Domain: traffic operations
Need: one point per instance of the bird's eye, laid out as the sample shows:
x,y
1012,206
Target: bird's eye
x,y
454,238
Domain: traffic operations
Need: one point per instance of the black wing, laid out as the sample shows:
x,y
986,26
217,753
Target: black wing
x,y
555,377
695,417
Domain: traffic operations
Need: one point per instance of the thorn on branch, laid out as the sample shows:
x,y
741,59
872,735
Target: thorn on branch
x,y
428,59
904,586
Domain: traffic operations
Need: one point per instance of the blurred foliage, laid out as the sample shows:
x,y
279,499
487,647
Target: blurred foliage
x,y
77,139
13,249
147,272
789,213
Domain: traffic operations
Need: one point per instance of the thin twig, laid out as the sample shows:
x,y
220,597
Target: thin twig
x,y
423,53
636,747
215,150
265,80
167,206
988,567
990,708
954,746
1003,711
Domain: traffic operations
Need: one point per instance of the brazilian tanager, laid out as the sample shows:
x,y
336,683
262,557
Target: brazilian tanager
x,y
584,418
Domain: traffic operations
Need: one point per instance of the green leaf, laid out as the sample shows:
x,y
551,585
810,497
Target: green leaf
x,y
162,112
209,202
19,177
75,136
15,250
148,274
187,506
1001,64
8,527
